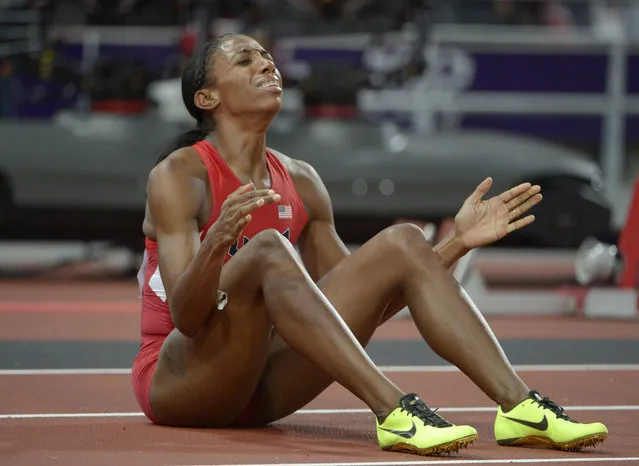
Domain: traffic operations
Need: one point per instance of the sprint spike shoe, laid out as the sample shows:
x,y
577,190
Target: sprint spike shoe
x,y
414,428
539,422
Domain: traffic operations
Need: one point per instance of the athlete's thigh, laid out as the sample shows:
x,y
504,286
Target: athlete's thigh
x,y
359,288
208,379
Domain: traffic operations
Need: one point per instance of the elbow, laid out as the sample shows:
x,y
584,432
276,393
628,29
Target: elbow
x,y
188,331
185,325
186,328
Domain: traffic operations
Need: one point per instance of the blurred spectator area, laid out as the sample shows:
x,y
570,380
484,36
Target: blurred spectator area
x,y
79,52
105,12
311,16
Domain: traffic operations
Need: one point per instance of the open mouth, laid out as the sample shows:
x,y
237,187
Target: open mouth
x,y
272,85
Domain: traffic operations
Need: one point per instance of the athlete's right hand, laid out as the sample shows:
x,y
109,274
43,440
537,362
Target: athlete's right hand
x,y
235,213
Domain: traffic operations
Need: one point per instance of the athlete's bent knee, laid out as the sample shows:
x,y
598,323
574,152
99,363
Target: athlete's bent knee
x,y
405,238
408,244
270,240
270,246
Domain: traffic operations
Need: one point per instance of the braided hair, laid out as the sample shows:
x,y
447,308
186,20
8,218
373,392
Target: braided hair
x,y
194,77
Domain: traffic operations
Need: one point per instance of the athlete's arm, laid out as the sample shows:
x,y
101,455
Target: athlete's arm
x,y
320,246
190,271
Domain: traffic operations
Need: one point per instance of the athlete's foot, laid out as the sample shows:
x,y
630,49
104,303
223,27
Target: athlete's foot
x,y
414,428
539,422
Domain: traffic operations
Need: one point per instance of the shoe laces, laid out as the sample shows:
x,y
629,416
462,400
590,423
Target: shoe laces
x,y
547,403
412,404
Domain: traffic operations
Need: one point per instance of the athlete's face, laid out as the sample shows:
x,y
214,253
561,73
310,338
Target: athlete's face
x,y
245,78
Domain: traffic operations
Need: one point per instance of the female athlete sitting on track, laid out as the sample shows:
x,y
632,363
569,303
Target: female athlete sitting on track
x,y
223,213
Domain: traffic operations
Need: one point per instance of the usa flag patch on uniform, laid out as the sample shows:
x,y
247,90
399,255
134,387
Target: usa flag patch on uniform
x,y
284,211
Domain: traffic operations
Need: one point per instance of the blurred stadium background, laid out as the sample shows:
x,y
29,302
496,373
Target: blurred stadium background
x,y
403,107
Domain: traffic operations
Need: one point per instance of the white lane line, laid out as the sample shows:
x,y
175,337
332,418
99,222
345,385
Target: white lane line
x,y
469,409
450,461
426,369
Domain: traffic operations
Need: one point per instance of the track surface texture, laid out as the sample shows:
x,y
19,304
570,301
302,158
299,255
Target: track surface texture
x,y
66,398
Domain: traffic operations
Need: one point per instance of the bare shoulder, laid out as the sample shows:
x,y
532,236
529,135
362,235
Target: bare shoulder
x,y
299,170
182,163
176,188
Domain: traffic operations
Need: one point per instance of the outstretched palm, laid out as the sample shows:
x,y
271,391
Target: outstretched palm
x,y
482,222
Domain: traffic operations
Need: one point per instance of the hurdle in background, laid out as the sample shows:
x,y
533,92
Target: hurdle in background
x,y
620,300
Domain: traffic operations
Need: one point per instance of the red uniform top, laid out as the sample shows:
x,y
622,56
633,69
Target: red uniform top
x,y
288,217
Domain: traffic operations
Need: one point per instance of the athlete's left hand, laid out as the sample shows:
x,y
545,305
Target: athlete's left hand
x,y
481,222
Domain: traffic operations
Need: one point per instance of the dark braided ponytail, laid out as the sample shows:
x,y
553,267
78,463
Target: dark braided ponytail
x,y
194,77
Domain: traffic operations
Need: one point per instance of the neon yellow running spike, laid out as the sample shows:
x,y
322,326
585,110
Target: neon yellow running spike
x,y
539,422
415,428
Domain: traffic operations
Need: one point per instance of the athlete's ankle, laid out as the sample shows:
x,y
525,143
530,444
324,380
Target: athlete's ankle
x,y
386,405
381,414
512,399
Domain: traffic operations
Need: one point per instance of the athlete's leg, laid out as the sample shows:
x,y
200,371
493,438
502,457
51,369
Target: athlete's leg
x,y
398,260
208,379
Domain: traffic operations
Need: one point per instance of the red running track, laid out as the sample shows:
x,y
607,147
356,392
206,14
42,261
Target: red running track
x,y
92,419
